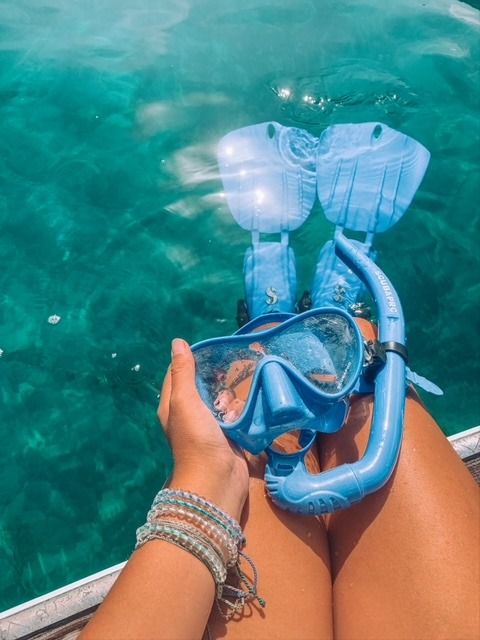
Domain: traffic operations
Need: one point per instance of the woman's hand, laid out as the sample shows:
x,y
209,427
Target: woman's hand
x,y
205,461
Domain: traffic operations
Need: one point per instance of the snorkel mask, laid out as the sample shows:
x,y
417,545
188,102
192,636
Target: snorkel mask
x,y
292,376
300,373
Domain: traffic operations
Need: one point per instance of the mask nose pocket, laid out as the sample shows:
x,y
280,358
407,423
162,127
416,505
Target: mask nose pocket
x,y
282,403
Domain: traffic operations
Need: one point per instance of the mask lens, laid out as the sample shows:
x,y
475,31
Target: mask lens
x,y
224,378
323,348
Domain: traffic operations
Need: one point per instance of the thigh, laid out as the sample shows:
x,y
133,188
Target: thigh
x,y
405,561
292,557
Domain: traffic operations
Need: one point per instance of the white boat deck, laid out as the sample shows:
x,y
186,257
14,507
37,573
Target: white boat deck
x,y
61,614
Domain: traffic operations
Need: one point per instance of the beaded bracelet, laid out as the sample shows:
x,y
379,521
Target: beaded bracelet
x,y
196,499
199,534
198,526
202,507
175,514
190,542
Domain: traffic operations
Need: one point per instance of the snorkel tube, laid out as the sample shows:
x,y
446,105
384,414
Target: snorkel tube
x,y
289,483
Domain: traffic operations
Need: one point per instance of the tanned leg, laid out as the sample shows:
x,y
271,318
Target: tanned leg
x,y
405,561
292,557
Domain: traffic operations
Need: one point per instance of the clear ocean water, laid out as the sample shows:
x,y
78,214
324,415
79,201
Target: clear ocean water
x,y
111,218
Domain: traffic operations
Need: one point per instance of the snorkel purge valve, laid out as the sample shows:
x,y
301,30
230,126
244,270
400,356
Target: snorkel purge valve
x,y
299,374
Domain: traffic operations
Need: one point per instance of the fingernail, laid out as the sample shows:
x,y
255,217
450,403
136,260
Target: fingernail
x,y
178,346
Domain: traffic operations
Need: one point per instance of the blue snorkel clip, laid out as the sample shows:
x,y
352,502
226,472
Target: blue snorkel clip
x,y
365,176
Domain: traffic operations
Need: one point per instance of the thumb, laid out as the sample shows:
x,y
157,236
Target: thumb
x,y
182,370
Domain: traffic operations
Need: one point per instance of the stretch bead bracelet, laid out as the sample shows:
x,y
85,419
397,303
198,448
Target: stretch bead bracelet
x,y
200,510
176,514
195,499
198,526
188,542
207,539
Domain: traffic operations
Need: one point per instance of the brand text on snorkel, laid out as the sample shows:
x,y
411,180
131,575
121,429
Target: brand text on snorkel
x,y
392,305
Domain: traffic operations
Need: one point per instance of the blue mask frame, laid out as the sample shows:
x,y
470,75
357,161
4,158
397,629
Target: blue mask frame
x,y
281,399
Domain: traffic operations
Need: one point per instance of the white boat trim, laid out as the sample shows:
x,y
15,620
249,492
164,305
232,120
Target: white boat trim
x,y
56,606
464,434
466,443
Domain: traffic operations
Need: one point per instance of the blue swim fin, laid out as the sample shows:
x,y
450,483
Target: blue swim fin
x,y
268,173
367,176
334,283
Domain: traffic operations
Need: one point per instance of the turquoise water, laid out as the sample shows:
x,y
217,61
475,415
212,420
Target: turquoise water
x,y
111,217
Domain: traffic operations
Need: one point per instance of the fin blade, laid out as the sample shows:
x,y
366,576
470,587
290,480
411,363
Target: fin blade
x,y
368,175
268,173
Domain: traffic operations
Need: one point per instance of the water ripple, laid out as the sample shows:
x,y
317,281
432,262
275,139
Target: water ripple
x,y
74,33
352,87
